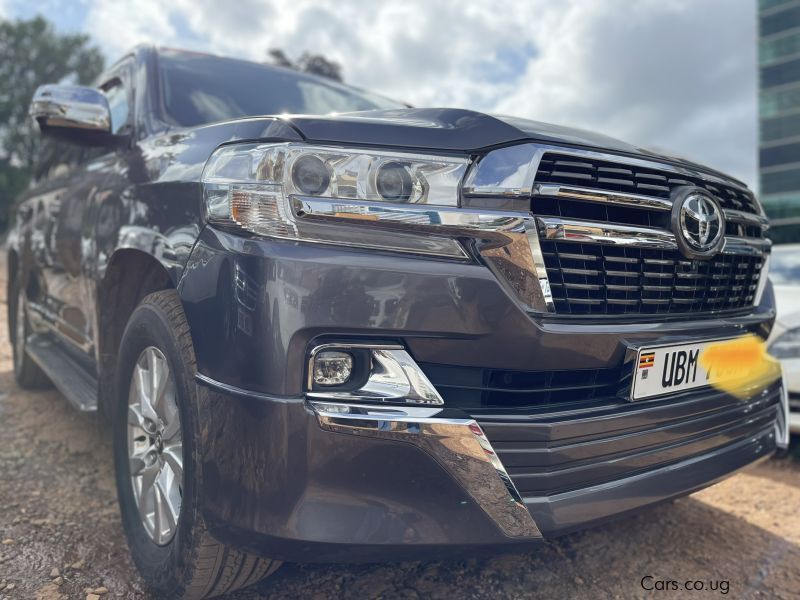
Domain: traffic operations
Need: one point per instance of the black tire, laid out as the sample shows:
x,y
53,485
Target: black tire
x,y
192,564
26,372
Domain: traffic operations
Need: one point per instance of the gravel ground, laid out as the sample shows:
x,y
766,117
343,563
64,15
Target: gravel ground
x,y
60,535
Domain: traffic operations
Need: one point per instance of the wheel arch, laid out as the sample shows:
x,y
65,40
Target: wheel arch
x,y
131,275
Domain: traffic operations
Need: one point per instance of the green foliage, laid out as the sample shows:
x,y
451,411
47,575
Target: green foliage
x,y
33,53
13,180
308,63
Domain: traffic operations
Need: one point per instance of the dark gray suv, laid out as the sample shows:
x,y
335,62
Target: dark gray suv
x,y
384,333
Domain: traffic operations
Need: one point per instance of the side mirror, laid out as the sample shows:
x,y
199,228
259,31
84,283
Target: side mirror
x,y
74,114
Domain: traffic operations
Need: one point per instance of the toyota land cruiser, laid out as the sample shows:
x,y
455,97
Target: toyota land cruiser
x,y
354,330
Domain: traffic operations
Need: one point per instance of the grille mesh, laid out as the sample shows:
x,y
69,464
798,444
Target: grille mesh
x,y
596,279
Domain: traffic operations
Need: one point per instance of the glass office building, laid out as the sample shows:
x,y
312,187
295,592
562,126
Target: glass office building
x,y
779,106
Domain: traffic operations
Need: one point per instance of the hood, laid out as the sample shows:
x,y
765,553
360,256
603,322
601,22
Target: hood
x,y
456,130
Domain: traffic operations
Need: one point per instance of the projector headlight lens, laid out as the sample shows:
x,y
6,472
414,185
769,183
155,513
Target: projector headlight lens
x,y
394,182
310,175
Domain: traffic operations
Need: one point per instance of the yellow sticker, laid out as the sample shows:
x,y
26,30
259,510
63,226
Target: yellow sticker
x,y
741,366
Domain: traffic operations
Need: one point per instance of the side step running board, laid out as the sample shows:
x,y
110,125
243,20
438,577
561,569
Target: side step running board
x,y
73,381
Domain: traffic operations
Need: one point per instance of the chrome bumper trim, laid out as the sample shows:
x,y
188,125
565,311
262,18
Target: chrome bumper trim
x,y
458,444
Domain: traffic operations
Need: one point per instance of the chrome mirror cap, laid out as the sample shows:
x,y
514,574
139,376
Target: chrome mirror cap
x,y
70,109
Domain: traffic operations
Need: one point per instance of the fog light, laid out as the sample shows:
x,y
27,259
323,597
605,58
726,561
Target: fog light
x,y
332,368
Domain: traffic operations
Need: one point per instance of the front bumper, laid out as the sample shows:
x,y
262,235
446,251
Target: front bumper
x,y
282,481
291,482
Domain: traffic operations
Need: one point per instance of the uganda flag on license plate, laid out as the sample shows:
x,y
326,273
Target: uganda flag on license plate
x,y
647,360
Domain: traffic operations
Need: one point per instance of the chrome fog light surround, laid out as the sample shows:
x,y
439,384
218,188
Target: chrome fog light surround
x,y
392,376
458,444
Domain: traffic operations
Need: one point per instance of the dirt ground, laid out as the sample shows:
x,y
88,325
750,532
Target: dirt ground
x,y
60,535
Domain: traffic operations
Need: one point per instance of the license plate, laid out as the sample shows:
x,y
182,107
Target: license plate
x,y
669,369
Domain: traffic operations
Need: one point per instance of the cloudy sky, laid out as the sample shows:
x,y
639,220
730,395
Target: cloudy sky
x,y
676,75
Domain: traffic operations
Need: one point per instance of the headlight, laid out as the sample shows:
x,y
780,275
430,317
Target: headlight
x,y
787,345
388,201
325,194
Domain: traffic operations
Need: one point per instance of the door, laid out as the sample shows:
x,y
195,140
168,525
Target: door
x,y
68,231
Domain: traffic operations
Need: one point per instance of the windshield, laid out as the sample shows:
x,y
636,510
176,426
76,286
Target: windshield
x,y
784,265
198,89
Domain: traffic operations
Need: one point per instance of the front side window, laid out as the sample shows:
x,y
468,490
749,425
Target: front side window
x,y
118,104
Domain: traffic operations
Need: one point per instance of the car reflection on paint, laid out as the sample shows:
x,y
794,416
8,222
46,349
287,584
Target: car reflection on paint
x,y
784,341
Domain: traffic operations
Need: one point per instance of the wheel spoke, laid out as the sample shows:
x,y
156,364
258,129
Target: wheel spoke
x,y
166,511
144,389
147,490
172,427
135,417
138,459
173,456
137,465
159,374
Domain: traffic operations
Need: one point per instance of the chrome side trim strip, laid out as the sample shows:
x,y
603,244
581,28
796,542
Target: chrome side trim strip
x,y
595,195
738,216
635,200
393,377
748,246
458,444
573,230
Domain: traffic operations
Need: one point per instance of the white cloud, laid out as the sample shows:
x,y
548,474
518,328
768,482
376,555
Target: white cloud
x,y
675,74
119,26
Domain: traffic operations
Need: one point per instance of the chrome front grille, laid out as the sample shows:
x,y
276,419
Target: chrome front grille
x,y
607,245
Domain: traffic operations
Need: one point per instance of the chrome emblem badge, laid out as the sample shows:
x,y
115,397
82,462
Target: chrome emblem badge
x,y
698,222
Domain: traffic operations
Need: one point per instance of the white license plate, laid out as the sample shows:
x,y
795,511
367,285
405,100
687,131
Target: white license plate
x,y
669,369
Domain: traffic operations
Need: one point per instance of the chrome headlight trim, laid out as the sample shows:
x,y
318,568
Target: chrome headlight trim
x,y
458,444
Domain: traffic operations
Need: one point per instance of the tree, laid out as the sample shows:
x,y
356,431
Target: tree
x,y
308,63
33,54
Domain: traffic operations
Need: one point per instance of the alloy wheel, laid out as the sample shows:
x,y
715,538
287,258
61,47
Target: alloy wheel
x,y
155,447
19,330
